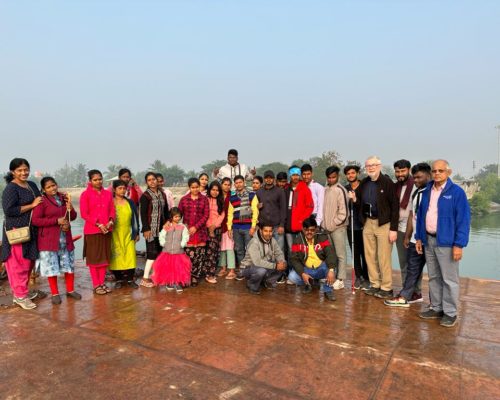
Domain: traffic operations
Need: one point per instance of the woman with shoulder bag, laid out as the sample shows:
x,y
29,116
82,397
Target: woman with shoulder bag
x,y
19,241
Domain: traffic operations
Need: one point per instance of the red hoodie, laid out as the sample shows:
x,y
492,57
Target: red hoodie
x,y
300,208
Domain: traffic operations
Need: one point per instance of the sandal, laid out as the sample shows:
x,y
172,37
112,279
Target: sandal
x,y
107,289
231,275
146,283
222,272
194,282
100,290
211,279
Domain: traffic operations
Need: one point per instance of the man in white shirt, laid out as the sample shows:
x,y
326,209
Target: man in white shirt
x,y
317,191
233,168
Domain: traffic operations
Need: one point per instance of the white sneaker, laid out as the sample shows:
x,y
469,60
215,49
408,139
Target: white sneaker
x,y
338,284
289,282
25,303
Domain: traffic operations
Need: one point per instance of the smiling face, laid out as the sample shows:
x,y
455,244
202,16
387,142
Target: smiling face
x,y
255,185
402,174
203,181
266,232
239,184
214,192
194,189
50,188
351,175
307,177
226,186
373,167
21,173
232,159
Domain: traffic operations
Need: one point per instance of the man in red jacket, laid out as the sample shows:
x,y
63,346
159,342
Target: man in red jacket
x,y
300,205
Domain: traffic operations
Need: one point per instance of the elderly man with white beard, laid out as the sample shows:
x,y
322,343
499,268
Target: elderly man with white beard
x,y
379,214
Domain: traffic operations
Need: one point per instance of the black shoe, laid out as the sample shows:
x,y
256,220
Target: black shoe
x,y
118,284
357,284
252,291
133,285
56,300
239,276
431,314
330,296
372,291
384,294
281,280
365,285
74,295
194,283
448,321
307,289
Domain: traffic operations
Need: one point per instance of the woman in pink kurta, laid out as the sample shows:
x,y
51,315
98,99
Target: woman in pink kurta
x,y
98,210
215,217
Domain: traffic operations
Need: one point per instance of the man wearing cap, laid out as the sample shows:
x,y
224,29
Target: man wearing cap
x,y
233,168
272,208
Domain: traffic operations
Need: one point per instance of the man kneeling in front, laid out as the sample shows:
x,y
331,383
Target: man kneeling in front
x,y
264,262
312,258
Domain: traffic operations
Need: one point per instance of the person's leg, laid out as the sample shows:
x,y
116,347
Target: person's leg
x,y
295,278
272,277
358,238
401,256
239,244
435,277
356,261
69,279
18,271
255,276
54,290
415,265
338,240
370,242
384,252
321,273
94,276
102,275
451,280
279,238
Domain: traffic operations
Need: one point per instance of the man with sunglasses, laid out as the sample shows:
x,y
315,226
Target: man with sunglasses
x,y
443,226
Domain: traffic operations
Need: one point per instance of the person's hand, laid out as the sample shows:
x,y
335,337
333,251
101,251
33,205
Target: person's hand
x,y
280,265
252,231
419,247
306,278
330,277
37,201
457,253
137,238
192,230
393,236
69,204
406,242
167,225
253,171
132,182
230,234
216,171
61,221
103,228
109,225
260,205
281,230
352,195
147,235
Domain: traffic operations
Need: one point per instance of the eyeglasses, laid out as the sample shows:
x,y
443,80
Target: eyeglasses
x,y
371,165
310,230
440,171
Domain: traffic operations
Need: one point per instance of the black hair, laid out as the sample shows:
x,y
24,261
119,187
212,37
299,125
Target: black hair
x,y
265,223
226,179
45,180
148,174
93,172
124,171
355,167
306,167
158,175
421,167
259,178
118,182
282,176
402,164
220,196
232,152
331,169
309,223
193,180
14,164
239,177
175,211
203,174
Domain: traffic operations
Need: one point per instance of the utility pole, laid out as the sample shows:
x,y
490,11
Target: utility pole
x,y
498,161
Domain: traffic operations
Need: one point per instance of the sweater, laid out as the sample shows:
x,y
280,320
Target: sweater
x,y
195,213
214,218
300,250
453,225
45,216
96,207
174,238
273,209
239,216
335,208
261,253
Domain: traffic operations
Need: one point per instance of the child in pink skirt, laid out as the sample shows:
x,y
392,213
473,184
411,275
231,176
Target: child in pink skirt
x,y
173,267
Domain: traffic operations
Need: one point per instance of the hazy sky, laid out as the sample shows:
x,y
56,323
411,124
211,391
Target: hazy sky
x,y
127,82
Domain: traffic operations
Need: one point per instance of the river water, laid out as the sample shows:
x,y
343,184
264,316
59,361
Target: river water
x,y
481,257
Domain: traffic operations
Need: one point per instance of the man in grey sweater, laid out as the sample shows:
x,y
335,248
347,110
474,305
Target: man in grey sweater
x,y
264,261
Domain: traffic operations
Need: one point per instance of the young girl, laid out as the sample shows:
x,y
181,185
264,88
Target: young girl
x,y
203,178
98,211
194,207
173,267
125,235
226,257
55,242
214,222
154,213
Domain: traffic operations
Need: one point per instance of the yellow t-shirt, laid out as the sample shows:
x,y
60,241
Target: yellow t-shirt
x,y
313,261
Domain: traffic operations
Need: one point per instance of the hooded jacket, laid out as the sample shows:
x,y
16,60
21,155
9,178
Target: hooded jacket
x,y
261,253
300,207
300,251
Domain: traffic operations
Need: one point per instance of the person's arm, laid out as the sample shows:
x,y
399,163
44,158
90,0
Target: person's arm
x,y
185,237
162,237
320,194
143,209
297,261
394,205
219,219
230,215
39,218
283,208
253,251
85,209
205,209
462,220
409,229
341,212
255,211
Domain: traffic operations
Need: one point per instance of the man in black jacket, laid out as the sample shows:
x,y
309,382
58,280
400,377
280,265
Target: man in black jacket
x,y
379,214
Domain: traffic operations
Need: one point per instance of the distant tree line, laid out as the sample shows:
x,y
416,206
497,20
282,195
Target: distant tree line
x,y
489,185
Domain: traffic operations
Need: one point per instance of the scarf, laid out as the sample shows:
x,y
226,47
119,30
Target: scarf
x,y
406,198
157,207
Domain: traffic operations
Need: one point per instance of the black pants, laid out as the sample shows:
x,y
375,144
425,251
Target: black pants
x,y
153,249
360,266
124,274
257,275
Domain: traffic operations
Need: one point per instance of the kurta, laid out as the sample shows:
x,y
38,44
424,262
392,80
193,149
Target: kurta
x,y
123,244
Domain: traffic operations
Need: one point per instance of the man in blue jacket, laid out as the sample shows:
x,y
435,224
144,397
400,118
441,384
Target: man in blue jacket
x,y
443,225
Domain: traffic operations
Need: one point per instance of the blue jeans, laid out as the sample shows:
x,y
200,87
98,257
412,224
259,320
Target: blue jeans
x,y
241,239
317,273
279,238
414,266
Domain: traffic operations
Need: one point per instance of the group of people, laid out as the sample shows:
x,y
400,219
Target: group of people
x,y
287,228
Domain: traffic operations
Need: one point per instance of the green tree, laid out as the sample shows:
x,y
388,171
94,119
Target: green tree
x,y
158,166
486,170
112,171
274,166
64,176
174,175
321,163
209,167
79,175
192,173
